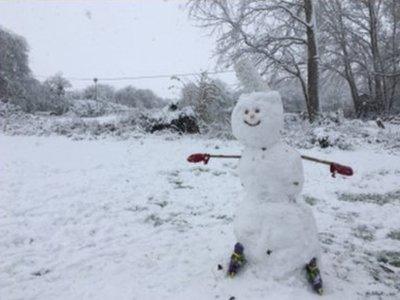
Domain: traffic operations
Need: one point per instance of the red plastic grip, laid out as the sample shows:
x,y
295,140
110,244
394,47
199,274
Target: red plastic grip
x,y
199,157
340,169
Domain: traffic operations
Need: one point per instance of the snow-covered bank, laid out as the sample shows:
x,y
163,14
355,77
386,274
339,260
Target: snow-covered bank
x,y
132,219
331,130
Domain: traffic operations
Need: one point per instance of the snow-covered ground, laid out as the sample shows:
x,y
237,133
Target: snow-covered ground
x,y
108,219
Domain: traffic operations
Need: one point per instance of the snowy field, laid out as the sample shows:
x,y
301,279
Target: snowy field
x,y
132,219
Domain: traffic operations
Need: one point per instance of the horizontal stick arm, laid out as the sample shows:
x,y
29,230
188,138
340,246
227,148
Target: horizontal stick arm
x,y
334,167
225,156
317,160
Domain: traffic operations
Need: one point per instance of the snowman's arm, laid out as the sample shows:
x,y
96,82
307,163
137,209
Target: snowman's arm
x,y
334,167
205,157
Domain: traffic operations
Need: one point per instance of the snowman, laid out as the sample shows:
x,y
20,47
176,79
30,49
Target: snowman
x,y
276,233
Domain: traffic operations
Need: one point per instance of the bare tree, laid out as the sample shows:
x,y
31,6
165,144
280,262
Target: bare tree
x,y
338,55
54,97
210,99
363,48
373,8
312,59
57,85
391,47
368,33
279,34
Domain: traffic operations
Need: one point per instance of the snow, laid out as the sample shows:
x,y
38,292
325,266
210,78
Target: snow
x,y
94,108
249,77
108,219
166,115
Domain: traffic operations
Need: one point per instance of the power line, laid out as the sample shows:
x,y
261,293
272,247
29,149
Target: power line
x,y
142,77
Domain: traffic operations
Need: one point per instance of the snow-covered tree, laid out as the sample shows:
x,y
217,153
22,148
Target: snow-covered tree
x,y
55,98
100,91
210,99
57,84
280,35
17,83
15,75
363,42
339,55
140,98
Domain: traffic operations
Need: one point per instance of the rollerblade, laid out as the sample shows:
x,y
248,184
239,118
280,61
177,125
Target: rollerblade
x,y
237,260
314,276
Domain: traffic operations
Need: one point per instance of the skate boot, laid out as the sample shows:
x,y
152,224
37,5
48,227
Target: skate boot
x,y
314,276
237,260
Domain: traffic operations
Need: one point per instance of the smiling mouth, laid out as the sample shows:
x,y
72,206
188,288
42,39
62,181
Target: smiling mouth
x,y
253,125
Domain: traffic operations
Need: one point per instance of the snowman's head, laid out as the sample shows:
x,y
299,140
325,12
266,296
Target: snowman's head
x,y
258,118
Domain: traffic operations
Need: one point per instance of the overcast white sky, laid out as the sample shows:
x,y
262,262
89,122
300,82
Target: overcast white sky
x,y
111,39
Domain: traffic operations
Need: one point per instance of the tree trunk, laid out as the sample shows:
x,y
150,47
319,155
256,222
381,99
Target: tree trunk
x,y
312,62
353,88
394,81
305,93
349,75
373,31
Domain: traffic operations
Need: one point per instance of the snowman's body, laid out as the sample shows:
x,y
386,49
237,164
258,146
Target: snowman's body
x,y
273,172
278,232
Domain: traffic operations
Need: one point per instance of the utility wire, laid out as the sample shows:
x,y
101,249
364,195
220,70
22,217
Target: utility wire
x,y
142,77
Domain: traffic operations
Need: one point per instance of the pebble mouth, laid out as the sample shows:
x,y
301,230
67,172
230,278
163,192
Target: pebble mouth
x,y
253,125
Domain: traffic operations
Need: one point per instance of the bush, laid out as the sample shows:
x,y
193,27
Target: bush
x,y
92,108
102,92
181,121
212,103
138,98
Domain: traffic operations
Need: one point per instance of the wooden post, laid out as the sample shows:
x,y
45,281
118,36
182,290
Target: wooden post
x,y
95,88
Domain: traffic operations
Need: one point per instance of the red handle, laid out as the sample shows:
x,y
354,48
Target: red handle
x,y
199,157
340,169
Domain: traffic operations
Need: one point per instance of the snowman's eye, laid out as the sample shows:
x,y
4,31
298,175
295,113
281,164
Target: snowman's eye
x,y
246,111
257,110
